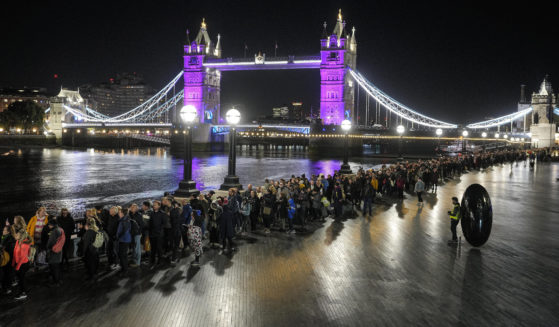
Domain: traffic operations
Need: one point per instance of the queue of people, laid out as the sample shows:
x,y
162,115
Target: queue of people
x,y
160,231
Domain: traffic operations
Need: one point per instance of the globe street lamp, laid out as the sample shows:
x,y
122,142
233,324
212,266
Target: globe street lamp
x,y
346,169
439,132
187,186
400,130
233,116
484,135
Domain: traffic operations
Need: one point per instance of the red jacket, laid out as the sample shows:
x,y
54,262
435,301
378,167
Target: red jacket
x,y
21,254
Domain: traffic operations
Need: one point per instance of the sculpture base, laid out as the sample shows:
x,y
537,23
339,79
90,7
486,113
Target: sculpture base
x,y
345,169
186,189
230,182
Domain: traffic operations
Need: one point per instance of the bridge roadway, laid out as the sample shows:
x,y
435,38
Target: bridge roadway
x,y
394,269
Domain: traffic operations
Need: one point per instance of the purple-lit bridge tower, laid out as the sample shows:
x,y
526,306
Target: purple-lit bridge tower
x,y
203,66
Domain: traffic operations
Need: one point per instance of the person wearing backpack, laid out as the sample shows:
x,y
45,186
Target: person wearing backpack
x,y
7,245
22,259
92,241
55,245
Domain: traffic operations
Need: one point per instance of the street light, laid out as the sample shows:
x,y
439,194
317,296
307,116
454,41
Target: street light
x,y
496,135
439,132
484,135
187,186
233,116
346,169
400,129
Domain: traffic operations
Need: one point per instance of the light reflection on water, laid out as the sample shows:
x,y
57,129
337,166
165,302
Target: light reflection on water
x,y
82,178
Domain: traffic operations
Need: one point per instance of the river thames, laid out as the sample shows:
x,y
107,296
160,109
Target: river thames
x,y
78,179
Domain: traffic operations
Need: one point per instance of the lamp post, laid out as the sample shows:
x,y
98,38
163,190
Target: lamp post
x,y
187,186
233,116
439,132
484,135
464,135
400,130
346,169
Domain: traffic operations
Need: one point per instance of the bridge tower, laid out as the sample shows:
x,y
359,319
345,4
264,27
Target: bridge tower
x,y
57,115
201,85
542,121
338,51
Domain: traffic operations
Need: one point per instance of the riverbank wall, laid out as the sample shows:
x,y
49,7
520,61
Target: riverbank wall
x,y
27,140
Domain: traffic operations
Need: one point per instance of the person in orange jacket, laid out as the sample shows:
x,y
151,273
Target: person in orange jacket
x,y
36,224
20,261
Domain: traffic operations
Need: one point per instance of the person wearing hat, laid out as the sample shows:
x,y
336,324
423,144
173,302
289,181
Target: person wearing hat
x,y
54,251
454,218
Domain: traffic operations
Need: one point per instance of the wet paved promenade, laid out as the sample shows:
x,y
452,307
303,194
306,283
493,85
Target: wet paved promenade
x,y
394,269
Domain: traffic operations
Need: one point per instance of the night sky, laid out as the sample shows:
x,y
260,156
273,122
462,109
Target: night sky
x,y
453,60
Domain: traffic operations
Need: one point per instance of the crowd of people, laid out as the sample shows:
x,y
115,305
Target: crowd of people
x,y
163,230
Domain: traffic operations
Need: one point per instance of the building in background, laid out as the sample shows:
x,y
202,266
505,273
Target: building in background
x,y
297,113
280,113
36,94
119,95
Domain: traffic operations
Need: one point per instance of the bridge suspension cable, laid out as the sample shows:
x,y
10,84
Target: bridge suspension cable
x,y
394,106
507,119
148,110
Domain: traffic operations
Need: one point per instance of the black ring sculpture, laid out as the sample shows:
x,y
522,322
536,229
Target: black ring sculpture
x,y
477,215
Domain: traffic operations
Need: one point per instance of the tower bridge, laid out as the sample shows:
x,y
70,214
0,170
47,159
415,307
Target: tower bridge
x,y
199,85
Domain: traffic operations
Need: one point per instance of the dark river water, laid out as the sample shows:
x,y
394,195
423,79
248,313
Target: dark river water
x,y
79,179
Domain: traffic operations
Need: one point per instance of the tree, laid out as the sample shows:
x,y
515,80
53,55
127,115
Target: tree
x,y
26,114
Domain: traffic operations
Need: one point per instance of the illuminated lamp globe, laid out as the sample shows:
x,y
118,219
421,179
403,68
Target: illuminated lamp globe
x,y
188,113
346,125
400,129
233,116
496,135
483,134
439,132
465,133
505,136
